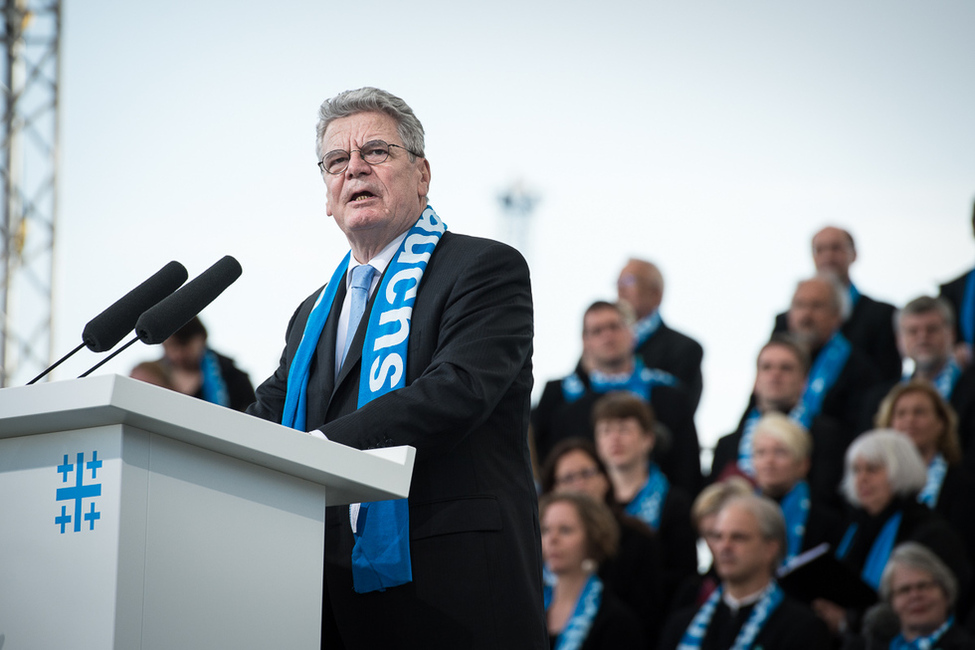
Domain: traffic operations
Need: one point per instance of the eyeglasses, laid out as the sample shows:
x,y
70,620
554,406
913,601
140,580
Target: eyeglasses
x,y
373,152
581,475
920,587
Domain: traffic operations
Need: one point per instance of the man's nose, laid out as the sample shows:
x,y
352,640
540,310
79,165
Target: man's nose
x,y
357,164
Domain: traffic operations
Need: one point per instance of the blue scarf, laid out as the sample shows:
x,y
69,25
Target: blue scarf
x,y
214,387
694,635
937,471
879,551
639,382
945,382
921,642
381,555
967,309
577,629
795,511
745,443
648,504
646,327
823,374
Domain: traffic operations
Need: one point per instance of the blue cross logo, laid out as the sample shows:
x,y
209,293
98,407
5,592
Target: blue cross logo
x,y
79,491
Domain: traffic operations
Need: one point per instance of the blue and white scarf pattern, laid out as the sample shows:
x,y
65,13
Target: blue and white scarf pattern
x,y
822,376
646,327
922,642
576,630
214,387
648,504
945,382
879,551
381,555
696,631
937,470
639,382
795,510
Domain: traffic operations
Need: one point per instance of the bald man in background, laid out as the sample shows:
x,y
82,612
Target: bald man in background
x,y
867,323
641,286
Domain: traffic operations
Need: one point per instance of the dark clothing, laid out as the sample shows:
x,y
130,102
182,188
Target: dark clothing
x,y
919,524
678,540
678,354
474,537
555,419
870,328
954,292
614,627
635,573
239,387
830,440
792,626
954,638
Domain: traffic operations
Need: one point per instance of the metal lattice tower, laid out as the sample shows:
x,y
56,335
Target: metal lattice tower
x,y
31,78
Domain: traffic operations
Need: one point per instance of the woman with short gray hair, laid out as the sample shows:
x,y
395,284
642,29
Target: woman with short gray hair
x,y
921,590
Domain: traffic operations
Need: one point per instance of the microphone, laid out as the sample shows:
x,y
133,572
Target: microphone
x,y
158,323
106,329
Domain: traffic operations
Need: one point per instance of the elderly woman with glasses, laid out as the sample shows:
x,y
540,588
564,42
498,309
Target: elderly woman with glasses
x,y
635,573
918,593
883,475
578,534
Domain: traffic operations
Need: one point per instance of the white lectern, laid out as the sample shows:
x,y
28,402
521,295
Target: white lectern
x,y
136,517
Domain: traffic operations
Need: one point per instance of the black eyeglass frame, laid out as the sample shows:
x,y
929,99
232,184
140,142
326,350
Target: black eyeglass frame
x,y
387,145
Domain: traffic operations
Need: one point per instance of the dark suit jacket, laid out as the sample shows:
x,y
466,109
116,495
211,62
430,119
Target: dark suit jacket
x,y
679,355
954,292
870,328
554,419
475,546
792,626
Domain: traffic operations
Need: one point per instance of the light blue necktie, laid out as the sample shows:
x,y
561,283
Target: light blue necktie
x,y
361,282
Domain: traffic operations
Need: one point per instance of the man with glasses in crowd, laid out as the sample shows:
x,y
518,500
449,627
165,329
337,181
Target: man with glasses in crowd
x,y
422,337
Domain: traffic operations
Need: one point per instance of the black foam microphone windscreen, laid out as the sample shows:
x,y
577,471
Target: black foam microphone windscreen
x,y
160,322
109,327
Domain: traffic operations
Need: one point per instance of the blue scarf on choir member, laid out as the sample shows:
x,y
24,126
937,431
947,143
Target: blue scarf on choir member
x,y
879,551
214,387
795,510
922,642
647,327
937,470
574,634
967,309
822,376
640,382
381,554
698,629
648,504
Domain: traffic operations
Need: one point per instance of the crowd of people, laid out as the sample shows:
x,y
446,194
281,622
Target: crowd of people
x,y
840,512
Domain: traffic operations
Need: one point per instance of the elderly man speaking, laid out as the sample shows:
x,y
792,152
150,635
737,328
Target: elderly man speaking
x,y
421,337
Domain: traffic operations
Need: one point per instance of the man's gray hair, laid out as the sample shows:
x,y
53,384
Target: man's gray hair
x,y
371,100
771,523
906,473
926,305
920,558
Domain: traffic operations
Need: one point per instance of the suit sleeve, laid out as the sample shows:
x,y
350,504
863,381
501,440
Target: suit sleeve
x,y
473,317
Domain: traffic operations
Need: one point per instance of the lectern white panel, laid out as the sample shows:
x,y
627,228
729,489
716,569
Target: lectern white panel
x,y
165,522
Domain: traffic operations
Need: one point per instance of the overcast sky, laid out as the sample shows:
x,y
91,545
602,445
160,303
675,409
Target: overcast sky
x,y
711,137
